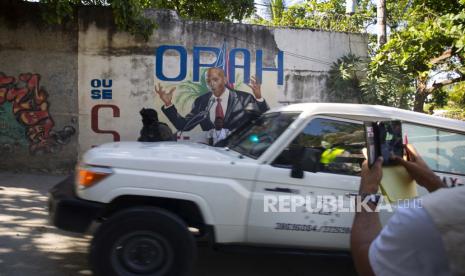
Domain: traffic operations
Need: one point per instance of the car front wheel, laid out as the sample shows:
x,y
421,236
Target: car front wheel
x,y
143,241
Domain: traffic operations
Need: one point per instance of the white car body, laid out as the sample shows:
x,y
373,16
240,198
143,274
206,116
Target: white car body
x,y
229,188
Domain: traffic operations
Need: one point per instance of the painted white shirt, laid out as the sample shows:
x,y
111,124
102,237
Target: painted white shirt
x,y
217,135
224,104
409,244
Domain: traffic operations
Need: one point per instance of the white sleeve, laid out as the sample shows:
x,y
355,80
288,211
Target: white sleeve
x,y
409,244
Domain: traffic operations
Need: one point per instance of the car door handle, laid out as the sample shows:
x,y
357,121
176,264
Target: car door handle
x,y
283,190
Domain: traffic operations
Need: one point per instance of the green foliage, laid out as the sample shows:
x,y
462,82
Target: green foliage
x,y
57,11
128,14
128,17
387,84
430,42
277,9
455,101
326,15
457,95
213,10
351,80
343,83
427,38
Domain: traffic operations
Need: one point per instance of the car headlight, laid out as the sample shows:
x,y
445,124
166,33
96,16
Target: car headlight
x,y
89,175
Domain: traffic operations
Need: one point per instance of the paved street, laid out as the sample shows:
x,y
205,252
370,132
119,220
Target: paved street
x,y
29,246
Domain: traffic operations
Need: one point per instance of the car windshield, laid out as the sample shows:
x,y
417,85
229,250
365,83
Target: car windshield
x,y
255,138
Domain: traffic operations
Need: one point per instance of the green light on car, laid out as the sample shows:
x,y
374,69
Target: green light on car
x,y
254,138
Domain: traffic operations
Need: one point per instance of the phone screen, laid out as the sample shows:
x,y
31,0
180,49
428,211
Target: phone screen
x,y
384,139
371,145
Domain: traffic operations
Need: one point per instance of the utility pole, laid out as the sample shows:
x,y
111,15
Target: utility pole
x,y
381,22
350,6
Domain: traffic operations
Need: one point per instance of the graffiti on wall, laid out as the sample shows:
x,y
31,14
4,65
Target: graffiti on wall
x,y
182,71
28,103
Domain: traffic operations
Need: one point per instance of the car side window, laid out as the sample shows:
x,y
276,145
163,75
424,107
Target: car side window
x,y
339,145
442,150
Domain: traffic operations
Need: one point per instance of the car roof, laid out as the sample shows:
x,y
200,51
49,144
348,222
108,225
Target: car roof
x,y
366,112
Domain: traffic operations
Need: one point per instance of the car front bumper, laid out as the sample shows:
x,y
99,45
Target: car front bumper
x,y
68,212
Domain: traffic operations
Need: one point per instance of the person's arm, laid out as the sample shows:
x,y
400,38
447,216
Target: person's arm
x,y
166,97
367,225
179,121
419,170
257,92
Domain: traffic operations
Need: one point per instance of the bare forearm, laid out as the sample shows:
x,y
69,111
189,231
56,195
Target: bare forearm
x,y
434,184
365,229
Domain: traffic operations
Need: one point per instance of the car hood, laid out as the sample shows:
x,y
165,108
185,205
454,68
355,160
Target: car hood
x,y
174,157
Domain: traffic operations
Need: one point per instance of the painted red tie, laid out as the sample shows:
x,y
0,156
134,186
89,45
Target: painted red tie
x,y
219,109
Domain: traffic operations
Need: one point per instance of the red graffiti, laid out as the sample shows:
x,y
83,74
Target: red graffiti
x,y
31,108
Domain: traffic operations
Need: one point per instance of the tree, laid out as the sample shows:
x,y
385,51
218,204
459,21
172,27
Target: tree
x,y
214,10
326,15
424,53
343,82
431,44
276,8
452,98
128,14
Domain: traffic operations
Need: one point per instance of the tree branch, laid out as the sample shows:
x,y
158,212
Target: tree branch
x,y
437,85
445,55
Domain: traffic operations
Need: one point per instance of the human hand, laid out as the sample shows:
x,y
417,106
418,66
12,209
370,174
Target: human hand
x,y
256,87
371,177
419,170
164,96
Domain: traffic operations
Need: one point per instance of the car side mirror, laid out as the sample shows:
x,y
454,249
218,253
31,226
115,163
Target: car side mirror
x,y
309,161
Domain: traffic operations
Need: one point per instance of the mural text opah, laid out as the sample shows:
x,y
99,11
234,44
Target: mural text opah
x,y
231,67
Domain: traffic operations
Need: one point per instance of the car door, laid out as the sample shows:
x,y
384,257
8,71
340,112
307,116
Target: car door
x,y
340,143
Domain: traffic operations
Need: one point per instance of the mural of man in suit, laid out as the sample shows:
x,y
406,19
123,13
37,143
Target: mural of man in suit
x,y
220,101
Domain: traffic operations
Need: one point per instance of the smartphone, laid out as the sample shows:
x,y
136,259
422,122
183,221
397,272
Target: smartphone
x,y
384,139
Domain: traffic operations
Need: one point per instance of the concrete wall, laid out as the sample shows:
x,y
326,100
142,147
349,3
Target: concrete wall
x,y
38,92
106,76
172,56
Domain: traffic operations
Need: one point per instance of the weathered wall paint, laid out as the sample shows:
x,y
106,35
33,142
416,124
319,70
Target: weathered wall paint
x,y
100,78
38,92
296,63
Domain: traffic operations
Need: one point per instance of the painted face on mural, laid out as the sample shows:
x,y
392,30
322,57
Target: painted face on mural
x,y
216,81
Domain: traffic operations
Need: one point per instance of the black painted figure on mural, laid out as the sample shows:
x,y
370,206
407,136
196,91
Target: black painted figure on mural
x,y
153,130
220,101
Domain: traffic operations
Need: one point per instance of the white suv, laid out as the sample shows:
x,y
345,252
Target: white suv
x,y
152,201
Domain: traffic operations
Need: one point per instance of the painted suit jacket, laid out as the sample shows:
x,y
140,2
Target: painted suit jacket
x,y
234,117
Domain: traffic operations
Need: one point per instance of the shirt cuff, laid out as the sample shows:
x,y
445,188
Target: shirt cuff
x,y
166,107
260,100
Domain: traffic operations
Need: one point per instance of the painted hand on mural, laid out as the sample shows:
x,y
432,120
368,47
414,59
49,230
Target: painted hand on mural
x,y
166,97
256,87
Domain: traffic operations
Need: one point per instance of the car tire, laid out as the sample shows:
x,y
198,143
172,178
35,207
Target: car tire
x,y
143,241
